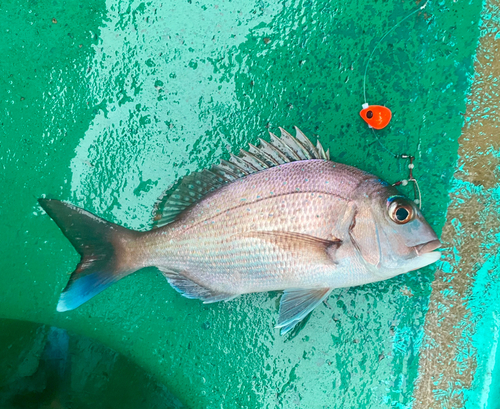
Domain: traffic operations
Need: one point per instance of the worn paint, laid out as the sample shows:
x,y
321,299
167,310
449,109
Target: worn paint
x,y
107,103
459,364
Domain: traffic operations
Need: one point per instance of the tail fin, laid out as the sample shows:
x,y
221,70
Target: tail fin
x,y
99,244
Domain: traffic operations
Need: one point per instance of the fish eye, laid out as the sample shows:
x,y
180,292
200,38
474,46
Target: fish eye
x,y
401,211
369,114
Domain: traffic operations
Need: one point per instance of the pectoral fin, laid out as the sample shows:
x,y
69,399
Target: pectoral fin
x,y
303,245
296,304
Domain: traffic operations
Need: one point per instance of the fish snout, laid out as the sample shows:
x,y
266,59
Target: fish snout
x,y
427,247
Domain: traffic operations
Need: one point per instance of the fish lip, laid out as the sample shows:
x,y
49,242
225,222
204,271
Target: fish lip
x,y
427,247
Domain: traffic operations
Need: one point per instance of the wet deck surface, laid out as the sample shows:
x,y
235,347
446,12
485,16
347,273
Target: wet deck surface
x,y
107,104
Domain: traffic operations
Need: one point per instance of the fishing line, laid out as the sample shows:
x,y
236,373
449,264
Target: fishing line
x,y
384,121
383,146
382,38
416,189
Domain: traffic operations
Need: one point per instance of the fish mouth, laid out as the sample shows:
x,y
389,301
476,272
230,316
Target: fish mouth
x,y
427,247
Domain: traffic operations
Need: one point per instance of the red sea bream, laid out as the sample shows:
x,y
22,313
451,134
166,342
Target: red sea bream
x,y
278,217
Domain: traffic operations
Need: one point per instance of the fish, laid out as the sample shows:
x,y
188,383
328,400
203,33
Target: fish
x,y
278,217
376,116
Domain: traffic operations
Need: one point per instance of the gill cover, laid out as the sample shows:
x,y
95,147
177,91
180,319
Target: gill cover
x,y
365,236
390,234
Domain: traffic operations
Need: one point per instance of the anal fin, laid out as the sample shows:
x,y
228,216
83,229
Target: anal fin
x,y
296,304
190,289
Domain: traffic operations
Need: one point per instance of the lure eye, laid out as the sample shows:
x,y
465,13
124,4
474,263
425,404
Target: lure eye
x,y
401,211
369,114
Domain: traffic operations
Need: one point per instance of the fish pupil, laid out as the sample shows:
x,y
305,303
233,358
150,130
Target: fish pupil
x,y
369,114
402,214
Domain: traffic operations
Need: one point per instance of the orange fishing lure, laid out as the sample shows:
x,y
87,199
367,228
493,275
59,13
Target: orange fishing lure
x,y
376,116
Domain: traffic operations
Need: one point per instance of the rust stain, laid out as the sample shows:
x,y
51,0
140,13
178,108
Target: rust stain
x,y
447,360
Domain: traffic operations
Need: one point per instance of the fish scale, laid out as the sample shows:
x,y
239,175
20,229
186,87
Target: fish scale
x,y
286,198
261,193
281,216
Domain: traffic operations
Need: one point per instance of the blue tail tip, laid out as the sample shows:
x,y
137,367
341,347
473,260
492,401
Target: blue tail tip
x,y
80,291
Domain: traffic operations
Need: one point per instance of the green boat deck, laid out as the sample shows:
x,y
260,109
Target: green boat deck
x,y
106,103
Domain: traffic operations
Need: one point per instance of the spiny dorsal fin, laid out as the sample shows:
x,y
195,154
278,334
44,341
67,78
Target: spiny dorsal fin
x,y
195,186
188,191
295,145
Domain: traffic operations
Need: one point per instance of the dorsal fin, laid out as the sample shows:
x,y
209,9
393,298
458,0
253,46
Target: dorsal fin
x,y
195,186
183,194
